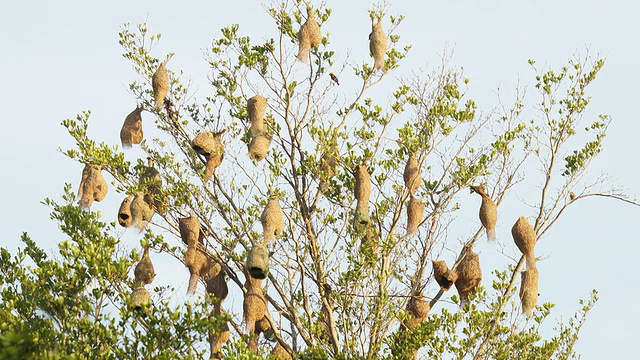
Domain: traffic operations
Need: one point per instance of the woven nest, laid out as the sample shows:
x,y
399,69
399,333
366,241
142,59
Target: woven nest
x,y
279,352
151,181
124,213
217,284
254,307
309,36
131,132
529,290
141,211
328,166
258,261
209,145
415,212
144,271
220,336
160,84
93,187
418,310
469,275
256,108
362,189
140,298
190,230
377,45
198,264
262,325
488,212
272,220
259,146
412,176
443,275
525,238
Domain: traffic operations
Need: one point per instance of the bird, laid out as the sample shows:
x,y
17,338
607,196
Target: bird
x,y
334,78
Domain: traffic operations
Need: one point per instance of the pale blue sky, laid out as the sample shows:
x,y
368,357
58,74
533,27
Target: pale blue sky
x,y
59,58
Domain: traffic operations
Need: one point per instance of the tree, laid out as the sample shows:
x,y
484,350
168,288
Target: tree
x,y
350,270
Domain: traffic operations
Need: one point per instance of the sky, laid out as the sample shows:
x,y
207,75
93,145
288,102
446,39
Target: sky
x,y
59,58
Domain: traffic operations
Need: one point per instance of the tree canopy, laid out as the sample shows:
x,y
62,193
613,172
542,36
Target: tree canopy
x,y
333,214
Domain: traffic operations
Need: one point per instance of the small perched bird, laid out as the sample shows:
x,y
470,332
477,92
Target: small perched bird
x,y
334,78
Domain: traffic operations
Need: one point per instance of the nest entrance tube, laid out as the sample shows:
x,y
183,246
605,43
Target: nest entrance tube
x,y
258,261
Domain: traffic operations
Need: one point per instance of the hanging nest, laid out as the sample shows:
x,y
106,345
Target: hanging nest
x,y
220,336
529,290
328,167
417,309
190,230
443,275
209,145
362,190
469,275
262,326
525,238
412,176
124,213
272,219
254,307
257,107
258,261
198,264
160,84
259,146
141,211
309,36
144,271
217,283
415,212
488,212
151,182
131,132
140,298
279,352
93,187
377,45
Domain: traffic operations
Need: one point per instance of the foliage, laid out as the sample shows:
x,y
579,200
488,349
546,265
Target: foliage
x,y
340,290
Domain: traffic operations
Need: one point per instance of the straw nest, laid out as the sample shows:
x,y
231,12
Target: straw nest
x,y
280,352
529,290
131,132
525,238
160,84
190,230
272,219
488,212
362,190
418,309
415,212
309,36
151,181
444,276
209,145
377,45
216,283
220,336
328,166
262,326
93,187
124,213
141,211
254,307
259,146
140,298
258,261
198,264
469,275
144,271
412,176
256,108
